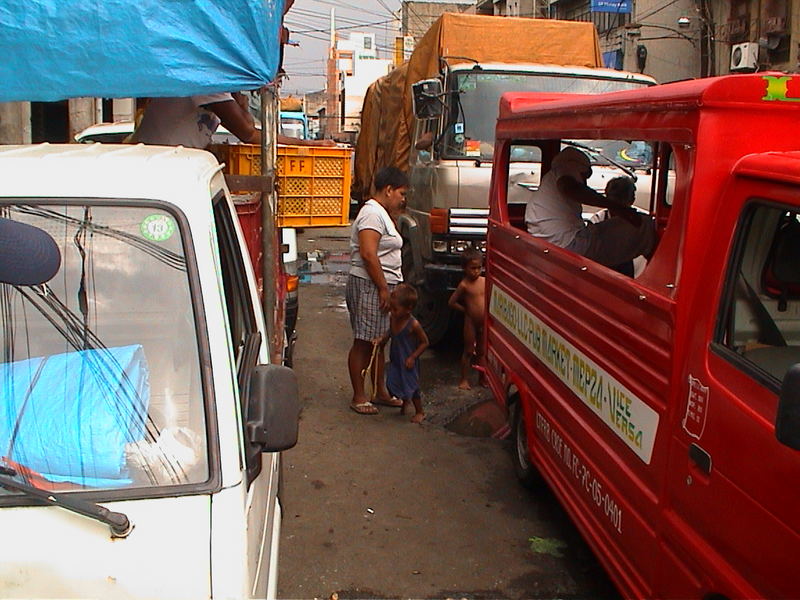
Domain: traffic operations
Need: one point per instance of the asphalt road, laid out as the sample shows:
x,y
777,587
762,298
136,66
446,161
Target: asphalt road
x,y
376,507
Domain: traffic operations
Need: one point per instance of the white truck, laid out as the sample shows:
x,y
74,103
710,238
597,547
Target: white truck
x,y
143,406
138,385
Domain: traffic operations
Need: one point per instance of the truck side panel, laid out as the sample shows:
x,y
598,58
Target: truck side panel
x,y
545,303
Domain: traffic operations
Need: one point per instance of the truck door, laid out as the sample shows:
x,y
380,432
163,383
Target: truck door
x,y
733,491
260,470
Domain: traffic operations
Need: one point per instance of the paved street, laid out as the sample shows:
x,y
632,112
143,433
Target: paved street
x,y
375,507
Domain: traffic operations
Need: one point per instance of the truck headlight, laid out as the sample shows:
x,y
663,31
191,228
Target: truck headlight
x,y
458,246
439,246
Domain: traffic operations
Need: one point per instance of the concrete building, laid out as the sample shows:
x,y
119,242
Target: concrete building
x,y
352,66
57,122
536,9
692,38
417,16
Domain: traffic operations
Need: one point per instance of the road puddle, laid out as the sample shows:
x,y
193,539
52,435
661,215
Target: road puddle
x,y
324,268
483,419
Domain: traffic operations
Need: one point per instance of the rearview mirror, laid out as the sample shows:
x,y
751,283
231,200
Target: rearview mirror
x,y
787,423
427,98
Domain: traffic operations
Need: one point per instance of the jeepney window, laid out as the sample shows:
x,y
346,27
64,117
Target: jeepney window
x,y
524,173
101,371
759,320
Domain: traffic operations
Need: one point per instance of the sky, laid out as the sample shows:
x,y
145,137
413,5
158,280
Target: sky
x,y
309,23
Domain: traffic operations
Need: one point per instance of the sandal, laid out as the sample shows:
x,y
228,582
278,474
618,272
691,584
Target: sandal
x,y
364,408
394,401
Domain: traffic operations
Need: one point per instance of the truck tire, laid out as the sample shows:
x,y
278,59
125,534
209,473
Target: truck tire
x,y
526,473
433,314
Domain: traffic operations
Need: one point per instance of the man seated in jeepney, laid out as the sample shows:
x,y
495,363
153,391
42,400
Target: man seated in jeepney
x,y
554,214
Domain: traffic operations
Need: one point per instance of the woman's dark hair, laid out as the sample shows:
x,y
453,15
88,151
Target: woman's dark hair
x,y
390,176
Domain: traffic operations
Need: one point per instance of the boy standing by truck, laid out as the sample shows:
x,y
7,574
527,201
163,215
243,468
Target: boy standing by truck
x,y
469,298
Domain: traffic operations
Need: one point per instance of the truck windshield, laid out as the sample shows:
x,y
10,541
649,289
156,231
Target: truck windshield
x,y
469,132
293,127
100,373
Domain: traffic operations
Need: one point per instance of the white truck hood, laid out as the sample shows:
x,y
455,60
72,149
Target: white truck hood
x,y
50,552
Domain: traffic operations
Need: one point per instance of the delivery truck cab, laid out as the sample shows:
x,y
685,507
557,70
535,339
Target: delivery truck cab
x,y
142,410
664,409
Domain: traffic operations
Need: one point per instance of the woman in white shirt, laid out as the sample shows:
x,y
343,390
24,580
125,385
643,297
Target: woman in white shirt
x,y
375,269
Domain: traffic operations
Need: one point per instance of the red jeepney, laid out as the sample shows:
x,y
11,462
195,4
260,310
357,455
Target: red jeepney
x,y
663,409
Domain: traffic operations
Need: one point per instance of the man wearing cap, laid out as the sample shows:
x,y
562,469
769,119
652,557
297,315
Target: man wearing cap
x,y
554,214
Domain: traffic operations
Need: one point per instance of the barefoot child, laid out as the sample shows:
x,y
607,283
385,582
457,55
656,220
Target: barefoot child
x,y
469,299
408,343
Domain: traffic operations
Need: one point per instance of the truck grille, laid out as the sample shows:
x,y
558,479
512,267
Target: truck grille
x,y
468,221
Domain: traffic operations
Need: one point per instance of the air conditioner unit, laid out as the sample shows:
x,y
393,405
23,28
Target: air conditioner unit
x,y
744,57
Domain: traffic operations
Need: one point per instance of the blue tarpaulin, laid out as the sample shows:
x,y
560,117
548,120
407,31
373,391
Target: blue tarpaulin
x,y
69,416
57,49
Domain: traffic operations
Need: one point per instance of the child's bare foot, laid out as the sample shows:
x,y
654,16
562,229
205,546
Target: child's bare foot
x,y
464,385
418,418
406,404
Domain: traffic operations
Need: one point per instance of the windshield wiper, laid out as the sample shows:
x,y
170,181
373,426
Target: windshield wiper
x,y
118,522
619,165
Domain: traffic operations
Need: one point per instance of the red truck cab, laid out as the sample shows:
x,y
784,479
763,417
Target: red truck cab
x,y
664,410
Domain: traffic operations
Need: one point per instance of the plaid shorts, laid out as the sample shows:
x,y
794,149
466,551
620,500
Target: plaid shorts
x,y
363,303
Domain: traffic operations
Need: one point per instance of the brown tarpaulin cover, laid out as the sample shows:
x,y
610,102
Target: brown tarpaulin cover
x,y
387,118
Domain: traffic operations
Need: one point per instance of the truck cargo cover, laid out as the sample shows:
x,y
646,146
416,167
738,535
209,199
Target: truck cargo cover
x,y
57,49
387,118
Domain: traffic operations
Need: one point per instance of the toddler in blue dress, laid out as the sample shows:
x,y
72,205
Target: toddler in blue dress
x,y
408,343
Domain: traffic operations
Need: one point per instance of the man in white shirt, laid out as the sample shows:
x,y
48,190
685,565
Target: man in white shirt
x,y
191,121
554,213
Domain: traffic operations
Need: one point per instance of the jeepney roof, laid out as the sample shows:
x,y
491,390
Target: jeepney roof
x,y
682,100
771,166
173,174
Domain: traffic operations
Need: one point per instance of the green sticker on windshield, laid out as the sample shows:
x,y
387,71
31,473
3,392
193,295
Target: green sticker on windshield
x,y
158,228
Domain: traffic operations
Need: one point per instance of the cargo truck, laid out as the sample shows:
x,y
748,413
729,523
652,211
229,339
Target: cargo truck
x,y
461,67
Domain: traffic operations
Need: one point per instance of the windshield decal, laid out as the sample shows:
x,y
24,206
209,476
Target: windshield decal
x,y
158,228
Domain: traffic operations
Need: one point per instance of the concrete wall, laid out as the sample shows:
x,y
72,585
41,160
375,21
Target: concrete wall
x,y
418,16
15,123
673,52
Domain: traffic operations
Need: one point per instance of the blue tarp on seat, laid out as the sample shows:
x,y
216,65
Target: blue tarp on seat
x,y
56,49
68,416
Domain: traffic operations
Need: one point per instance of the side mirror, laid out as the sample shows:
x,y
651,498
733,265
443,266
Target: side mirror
x,y
273,413
28,255
787,423
427,98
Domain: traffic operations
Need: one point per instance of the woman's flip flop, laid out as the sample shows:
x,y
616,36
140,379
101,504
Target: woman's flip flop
x,y
365,408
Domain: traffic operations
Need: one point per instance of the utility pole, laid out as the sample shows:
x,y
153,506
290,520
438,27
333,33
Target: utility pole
x,y
332,85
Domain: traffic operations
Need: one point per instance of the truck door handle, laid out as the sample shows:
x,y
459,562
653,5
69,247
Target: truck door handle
x,y
701,458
